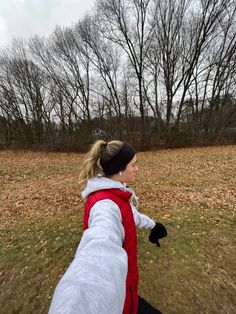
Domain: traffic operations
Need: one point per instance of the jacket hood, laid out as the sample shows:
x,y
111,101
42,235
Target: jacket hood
x,y
103,183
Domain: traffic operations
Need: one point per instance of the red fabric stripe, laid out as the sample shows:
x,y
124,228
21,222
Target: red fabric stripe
x,y
121,198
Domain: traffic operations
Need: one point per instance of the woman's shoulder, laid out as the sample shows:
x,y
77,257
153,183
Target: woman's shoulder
x,y
107,213
105,206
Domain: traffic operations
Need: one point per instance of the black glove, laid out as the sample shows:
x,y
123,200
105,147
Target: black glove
x,y
158,232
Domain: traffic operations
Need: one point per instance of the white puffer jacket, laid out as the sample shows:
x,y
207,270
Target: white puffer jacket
x,y
94,283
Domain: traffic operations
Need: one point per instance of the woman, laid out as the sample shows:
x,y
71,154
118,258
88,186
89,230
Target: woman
x,y
103,277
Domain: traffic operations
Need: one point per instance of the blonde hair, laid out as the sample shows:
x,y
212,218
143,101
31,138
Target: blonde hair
x,y
99,151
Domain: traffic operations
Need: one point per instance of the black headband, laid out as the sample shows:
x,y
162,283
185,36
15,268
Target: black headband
x,y
119,161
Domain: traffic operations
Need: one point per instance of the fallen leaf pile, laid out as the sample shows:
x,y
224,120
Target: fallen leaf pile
x,y
45,185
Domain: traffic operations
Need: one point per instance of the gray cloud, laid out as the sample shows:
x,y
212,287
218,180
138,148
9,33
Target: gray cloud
x,y
24,18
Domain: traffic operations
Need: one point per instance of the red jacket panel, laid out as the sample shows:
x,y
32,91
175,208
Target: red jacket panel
x,y
121,198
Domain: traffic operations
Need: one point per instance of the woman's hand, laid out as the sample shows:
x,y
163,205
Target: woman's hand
x,y
158,232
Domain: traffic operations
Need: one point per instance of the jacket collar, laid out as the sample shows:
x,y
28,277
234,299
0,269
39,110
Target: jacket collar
x,y
103,183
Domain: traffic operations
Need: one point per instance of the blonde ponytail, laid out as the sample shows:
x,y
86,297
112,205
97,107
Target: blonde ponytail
x,y
100,150
91,165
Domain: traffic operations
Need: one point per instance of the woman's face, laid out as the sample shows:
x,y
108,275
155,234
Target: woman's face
x,y
128,175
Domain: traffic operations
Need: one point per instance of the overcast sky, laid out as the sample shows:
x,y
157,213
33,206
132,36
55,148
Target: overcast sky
x,y
23,18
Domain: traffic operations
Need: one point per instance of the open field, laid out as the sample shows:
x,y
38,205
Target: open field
x,y
193,191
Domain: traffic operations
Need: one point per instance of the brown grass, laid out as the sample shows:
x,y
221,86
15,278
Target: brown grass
x,y
193,191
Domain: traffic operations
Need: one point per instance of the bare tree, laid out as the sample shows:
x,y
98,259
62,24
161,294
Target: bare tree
x,y
105,58
126,24
169,43
214,78
185,32
25,92
162,69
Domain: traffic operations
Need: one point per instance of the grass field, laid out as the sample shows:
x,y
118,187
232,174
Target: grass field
x,y
192,191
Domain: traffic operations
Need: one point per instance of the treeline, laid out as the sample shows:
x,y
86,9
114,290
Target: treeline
x,y
155,73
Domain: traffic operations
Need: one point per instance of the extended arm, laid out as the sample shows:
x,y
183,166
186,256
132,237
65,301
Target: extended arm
x,y
158,230
141,220
95,281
